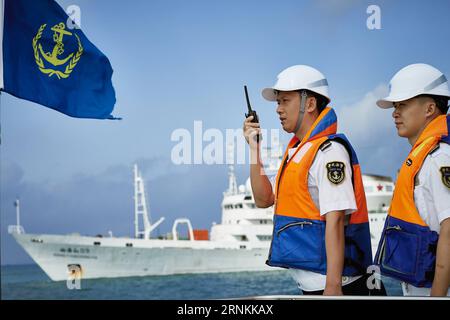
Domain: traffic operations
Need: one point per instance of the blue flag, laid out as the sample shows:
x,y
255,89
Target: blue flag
x,y
46,62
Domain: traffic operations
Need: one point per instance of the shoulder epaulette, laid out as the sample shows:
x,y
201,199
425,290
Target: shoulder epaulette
x,y
325,145
436,147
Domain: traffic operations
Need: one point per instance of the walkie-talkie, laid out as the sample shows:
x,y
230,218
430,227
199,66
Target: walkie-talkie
x,y
252,113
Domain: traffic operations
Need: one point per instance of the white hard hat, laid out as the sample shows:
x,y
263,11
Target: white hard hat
x,y
296,78
414,80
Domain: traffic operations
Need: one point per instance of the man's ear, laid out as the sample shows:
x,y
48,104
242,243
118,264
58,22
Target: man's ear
x,y
430,108
311,104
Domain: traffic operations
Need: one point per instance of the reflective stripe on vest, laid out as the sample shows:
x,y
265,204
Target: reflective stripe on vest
x,y
407,249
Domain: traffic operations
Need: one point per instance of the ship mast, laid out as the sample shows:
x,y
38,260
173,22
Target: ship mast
x,y
17,205
232,183
16,228
140,208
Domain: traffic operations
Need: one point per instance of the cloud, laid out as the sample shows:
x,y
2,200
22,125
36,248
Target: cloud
x,y
372,133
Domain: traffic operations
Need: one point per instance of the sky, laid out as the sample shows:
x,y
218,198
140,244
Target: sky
x,y
176,62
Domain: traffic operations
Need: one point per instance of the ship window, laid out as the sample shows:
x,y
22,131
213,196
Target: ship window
x,y
242,247
96,243
238,206
129,244
248,198
62,250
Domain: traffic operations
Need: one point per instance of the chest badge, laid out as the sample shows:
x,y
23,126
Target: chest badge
x,y
445,171
335,172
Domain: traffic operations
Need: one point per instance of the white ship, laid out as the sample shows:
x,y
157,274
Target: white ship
x,y
239,243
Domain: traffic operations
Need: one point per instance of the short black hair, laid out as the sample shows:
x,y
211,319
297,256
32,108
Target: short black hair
x,y
440,101
322,102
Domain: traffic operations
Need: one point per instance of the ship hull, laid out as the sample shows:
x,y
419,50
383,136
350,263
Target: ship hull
x,y
126,257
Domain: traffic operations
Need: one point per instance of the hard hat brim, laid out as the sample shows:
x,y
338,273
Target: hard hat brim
x,y
389,101
269,94
385,103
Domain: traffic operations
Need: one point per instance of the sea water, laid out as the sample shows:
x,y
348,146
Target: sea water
x,y
30,282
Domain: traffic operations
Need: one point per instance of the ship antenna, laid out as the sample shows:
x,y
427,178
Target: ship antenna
x,y
232,183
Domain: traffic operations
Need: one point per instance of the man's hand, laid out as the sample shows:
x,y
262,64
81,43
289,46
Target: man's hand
x,y
251,130
333,290
261,186
441,280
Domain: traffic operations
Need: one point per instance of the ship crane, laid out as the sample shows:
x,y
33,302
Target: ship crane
x,y
140,209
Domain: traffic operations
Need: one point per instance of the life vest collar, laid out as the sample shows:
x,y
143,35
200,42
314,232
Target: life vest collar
x,y
438,127
324,125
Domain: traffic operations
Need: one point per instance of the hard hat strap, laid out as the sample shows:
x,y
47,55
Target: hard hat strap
x,y
301,113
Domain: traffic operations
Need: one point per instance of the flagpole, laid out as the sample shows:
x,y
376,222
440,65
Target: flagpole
x,y
2,85
0,117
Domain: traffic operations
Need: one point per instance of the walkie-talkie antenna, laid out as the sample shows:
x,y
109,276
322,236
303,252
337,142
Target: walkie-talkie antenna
x,y
248,100
251,113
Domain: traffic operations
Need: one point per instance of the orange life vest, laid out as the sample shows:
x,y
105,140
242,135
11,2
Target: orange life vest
x,y
298,239
407,249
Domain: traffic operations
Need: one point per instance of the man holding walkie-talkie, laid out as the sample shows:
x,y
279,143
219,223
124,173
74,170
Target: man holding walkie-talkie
x,y
321,230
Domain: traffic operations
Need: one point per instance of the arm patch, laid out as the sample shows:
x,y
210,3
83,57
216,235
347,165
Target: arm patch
x,y
445,172
335,172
